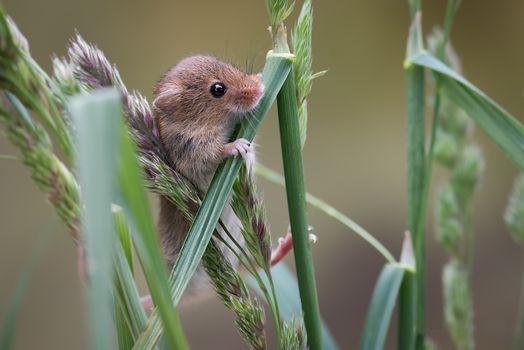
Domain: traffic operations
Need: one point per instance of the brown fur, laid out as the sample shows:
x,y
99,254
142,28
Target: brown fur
x,y
194,127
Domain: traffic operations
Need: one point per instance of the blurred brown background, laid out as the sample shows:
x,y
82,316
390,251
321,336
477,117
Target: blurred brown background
x,y
355,155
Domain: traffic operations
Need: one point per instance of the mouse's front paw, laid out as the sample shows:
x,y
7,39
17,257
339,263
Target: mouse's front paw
x,y
240,146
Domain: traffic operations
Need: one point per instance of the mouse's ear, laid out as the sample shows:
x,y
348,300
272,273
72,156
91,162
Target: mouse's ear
x,y
165,101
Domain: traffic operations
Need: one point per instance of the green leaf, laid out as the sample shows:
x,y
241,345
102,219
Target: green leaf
x,y
124,235
96,121
288,297
504,129
130,316
109,171
392,277
123,332
275,72
381,307
129,313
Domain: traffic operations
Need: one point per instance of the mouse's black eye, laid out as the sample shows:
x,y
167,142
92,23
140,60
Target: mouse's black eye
x,y
218,90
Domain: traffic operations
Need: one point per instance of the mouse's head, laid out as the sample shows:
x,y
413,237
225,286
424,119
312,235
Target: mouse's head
x,y
204,88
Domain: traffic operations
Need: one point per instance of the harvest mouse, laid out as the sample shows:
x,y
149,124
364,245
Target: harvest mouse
x,y
197,104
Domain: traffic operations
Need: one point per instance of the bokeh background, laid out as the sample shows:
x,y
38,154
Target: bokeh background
x,y
354,158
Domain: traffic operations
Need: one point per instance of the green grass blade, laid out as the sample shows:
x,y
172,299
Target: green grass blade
x,y
146,241
274,177
96,120
128,293
275,72
124,235
123,332
130,317
390,283
499,125
130,314
381,307
288,297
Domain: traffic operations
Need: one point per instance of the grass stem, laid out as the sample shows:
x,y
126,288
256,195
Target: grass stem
x,y
415,94
293,171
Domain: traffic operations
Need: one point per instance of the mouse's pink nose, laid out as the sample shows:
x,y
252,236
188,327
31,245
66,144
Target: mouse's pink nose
x,y
250,96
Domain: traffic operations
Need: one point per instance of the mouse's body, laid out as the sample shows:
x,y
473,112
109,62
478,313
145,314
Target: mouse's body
x,y
197,105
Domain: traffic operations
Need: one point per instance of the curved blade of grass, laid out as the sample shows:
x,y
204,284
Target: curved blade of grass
x,y
384,297
274,177
501,127
381,307
288,297
96,121
275,72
